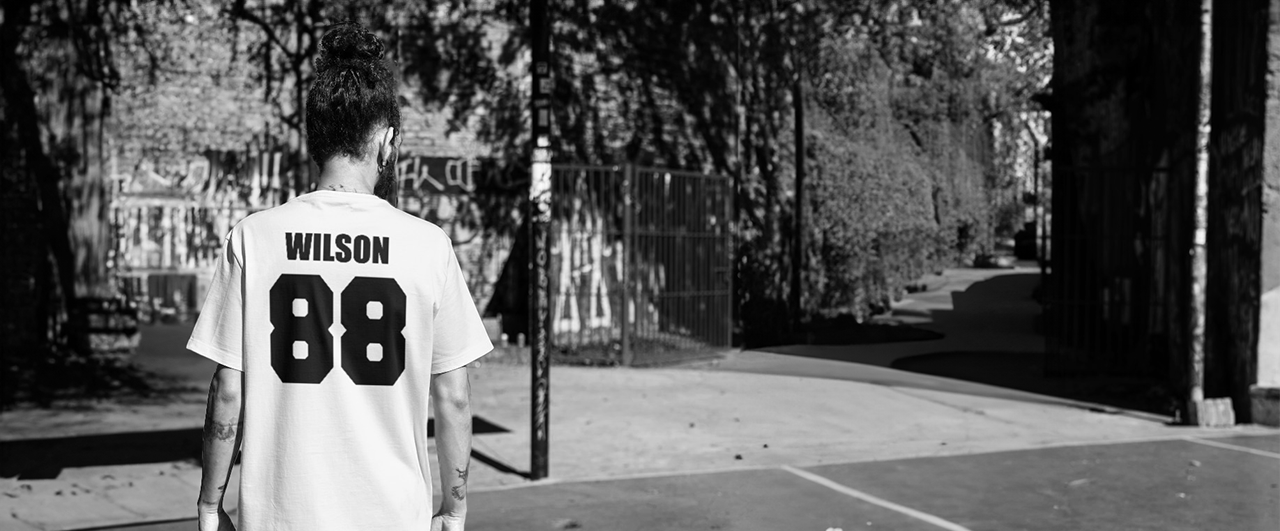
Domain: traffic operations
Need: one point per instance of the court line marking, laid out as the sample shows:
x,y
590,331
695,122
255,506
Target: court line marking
x,y
1227,446
656,474
569,480
848,491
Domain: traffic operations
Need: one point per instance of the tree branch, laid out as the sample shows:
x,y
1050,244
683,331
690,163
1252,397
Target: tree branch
x,y
1034,11
239,11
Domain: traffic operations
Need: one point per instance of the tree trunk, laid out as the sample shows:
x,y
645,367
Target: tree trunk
x,y
20,108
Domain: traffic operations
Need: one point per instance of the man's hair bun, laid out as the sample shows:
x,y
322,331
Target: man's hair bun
x,y
354,91
348,42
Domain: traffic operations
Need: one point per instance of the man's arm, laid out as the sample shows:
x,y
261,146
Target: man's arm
x,y
451,395
221,439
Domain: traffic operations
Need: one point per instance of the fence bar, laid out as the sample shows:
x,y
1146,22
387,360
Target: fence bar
x,y
628,250
637,262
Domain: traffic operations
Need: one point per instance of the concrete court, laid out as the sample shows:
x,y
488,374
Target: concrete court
x,y
735,423
1191,484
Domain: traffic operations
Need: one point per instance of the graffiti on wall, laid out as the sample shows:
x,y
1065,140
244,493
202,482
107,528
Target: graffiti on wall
x,y
590,268
440,175
171,216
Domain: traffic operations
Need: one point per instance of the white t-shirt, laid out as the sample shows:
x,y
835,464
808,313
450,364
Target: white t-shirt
x,y
338,308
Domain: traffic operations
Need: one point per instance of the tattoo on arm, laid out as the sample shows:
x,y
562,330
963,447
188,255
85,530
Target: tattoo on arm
x,y
460,491
214,430
221,431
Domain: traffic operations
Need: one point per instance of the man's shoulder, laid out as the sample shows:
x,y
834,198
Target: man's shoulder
x,y
432,232
289,212
264,216
404,217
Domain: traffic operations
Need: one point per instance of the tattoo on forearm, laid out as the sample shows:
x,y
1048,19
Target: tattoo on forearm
x,y
460,491
222,431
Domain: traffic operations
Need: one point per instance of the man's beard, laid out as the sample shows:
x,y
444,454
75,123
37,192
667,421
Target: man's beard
x,y
387,186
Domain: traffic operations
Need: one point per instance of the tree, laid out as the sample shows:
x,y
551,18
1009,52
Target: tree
x,y
57,69
906,89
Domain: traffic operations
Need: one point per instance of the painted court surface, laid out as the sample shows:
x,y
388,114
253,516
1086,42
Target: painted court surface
x,y
1177,484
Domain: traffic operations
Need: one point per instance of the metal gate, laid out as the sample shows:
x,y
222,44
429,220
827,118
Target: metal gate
x,y
640,264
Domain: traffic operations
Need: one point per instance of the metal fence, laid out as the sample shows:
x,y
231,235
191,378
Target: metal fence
x,y
1115,292
640,262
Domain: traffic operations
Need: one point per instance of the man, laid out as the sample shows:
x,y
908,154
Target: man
x,y
335,319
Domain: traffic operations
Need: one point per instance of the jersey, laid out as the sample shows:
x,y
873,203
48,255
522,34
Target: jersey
x,y
338,308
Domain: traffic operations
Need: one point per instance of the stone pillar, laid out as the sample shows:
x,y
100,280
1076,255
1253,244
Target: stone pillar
x,y
1265,394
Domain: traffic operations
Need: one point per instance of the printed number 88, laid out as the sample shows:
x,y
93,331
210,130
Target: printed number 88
x,y
373,317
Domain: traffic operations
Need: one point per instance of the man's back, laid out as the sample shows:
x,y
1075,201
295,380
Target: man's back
x,y
348,307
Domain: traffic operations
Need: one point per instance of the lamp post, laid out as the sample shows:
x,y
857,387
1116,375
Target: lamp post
x,y
539,222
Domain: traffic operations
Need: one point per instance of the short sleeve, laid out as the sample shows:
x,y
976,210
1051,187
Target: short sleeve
x,y
460,337
219,332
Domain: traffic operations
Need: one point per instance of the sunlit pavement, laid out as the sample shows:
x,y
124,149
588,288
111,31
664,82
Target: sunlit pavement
x,y
803,438
1191,484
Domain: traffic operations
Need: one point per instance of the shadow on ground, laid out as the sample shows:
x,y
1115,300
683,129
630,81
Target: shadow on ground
x,y
1024,371
844,329
45,458
984,334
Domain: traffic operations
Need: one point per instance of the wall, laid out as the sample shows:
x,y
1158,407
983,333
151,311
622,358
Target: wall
x,y
1124,125
1123,119
1268,353
171,215
1238,112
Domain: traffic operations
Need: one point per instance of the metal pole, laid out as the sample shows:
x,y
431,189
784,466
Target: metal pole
x,y
731,198
1199,260
539,221
628,258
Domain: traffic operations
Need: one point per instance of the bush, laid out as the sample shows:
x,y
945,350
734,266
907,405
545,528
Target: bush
x,y
885,210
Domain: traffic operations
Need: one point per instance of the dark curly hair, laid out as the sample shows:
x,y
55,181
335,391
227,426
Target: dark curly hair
x,y
354,91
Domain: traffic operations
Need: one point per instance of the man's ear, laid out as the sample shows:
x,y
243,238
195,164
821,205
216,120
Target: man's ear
x,y
385,145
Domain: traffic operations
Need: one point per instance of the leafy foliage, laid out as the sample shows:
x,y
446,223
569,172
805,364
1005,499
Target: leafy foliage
x,y
186,85
906,100
902,96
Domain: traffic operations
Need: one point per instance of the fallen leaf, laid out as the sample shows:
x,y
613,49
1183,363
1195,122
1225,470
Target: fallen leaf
x,y
568,523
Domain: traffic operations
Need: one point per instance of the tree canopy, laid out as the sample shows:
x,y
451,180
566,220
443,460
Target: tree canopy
x,y
906,98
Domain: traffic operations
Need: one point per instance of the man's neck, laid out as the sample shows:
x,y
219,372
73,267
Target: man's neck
x,y
341,174
339,187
